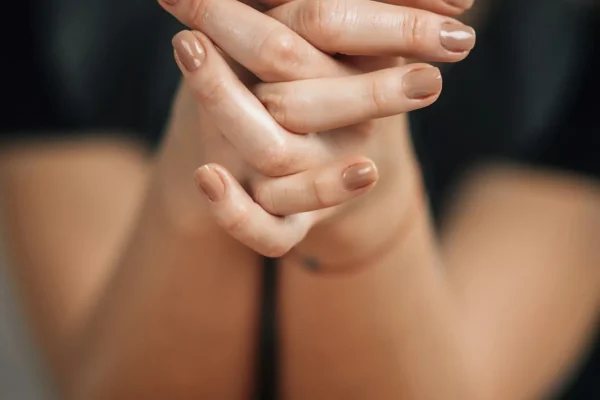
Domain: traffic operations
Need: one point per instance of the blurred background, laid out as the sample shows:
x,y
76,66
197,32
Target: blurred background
x,y
528,91
20,373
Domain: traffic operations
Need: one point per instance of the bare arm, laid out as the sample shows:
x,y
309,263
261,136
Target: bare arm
x,y
67,210
506,311
124,297
400,326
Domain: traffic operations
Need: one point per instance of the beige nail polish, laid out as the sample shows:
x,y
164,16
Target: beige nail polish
x,y
422,83
464,4
457,38
189,50
359,176
209,181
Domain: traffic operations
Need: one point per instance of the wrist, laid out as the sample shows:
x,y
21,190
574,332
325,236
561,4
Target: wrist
x,y
366,232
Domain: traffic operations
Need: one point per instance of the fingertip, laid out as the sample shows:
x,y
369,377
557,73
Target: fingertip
x,y
457,38
224,175
167,3
450,8
201,37
189,52
210,182
178,36
360,176
423,82
460,5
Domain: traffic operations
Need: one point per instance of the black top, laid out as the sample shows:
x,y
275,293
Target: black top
x,y
527,93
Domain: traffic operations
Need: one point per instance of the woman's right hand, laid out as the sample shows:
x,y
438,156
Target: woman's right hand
x,y
217,120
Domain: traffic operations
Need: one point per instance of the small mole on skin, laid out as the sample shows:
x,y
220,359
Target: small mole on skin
x,y
311,263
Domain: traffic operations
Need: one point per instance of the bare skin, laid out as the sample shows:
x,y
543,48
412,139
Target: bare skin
x,y
187,322
132,276
502,309
110,320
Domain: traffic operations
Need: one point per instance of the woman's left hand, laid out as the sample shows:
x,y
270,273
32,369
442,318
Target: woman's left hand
x,y
308,95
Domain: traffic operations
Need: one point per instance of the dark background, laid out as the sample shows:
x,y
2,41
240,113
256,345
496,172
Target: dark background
x,y
528,93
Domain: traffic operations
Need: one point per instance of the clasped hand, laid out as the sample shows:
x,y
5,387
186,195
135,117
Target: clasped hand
x,y
296,113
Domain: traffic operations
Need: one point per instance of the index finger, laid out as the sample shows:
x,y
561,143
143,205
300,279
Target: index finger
x,y
370,28
442,7
266,47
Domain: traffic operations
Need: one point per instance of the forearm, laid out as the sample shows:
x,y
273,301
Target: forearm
x,y
178,318
122,285
381,326
384,331
404,327
67,209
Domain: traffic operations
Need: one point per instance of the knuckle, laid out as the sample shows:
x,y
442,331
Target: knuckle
x,y
319,189
237,220
280,54
379,96
197,12
283,106
324,18
274,161
413,28
385,90
277,249
211,91
276,104
264,196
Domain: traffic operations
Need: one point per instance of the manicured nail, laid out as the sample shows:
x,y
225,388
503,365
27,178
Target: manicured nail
x,y
359,176
422,83
457,38
171,2
189,50
464,4
209,181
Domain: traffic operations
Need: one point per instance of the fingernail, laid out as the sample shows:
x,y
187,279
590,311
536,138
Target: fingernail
x,y
464,4
171,2
189,50
209,181
457,38
359,176
422,83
